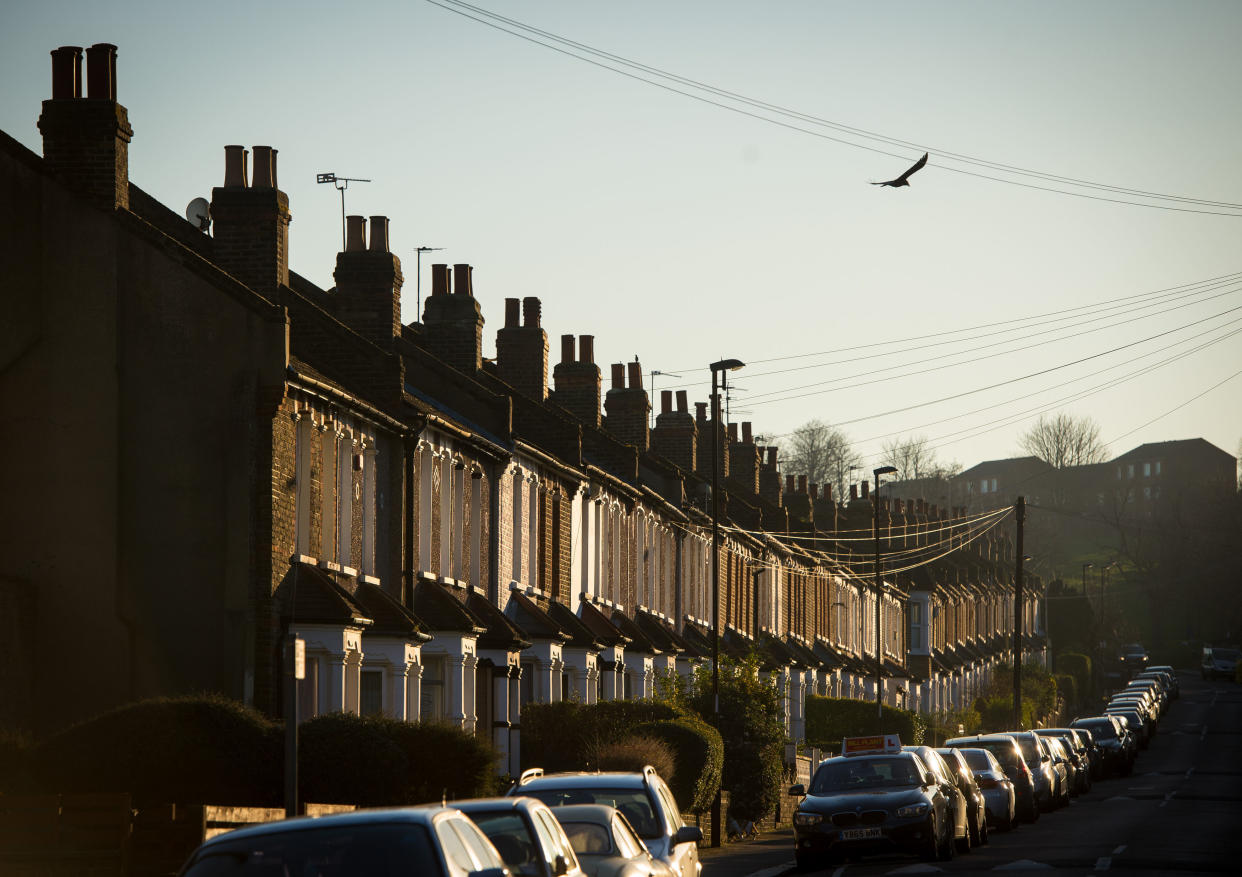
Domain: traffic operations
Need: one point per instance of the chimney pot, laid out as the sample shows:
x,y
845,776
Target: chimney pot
x,y
747,437
801,484
666,401
772,456
733,432
828,492
567,348
440,277
682,402
586,348
67,73
263,168
853,492
636,375
513,313
355,234
235,167
700,412
531,309
101,71
618,376
463,283
866,488
379,224
814,488
789,484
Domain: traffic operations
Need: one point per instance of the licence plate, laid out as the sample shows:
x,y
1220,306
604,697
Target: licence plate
x,y
860,833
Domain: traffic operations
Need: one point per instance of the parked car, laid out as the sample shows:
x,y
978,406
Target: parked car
x,y
431,840
1219,662
1068,774
1048,775
641,795
606,844
958,802
997,789
870,803
526,834
1117,753
1009,754
976,806
1136,721
1172,674
1076,749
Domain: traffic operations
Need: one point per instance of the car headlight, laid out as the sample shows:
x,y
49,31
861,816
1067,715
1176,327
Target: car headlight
x,y
911,811
807,818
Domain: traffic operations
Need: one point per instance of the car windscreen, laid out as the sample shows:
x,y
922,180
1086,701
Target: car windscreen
x,y
634,803
1030,749
1101,729
978,760
374,850
1225,654
1002,749
509,834
861,774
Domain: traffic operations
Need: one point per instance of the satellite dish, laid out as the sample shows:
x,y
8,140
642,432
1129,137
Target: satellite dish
x,y
198,212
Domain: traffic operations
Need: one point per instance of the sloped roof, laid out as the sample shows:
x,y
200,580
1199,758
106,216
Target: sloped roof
x,y
660,633
501,632
581,636
317,599
442,611
533,621
599,625
388,614
639,640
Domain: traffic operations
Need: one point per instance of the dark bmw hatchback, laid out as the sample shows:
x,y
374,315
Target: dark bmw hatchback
x,y
861,804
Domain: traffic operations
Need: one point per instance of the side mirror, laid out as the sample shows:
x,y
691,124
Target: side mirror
x,y
929,780
798,789
560,866
688,834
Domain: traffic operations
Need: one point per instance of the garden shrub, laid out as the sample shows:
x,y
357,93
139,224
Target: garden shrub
x,y
829,719
557,736
376,761
193,750
634,753
698,753
1067,688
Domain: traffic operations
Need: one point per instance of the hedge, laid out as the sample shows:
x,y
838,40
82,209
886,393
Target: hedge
x,y
556,736
698,752
829,719
204,749
376,761
1078,666
1067,687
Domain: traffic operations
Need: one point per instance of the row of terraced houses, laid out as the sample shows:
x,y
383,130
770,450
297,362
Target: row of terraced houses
x,y
208,455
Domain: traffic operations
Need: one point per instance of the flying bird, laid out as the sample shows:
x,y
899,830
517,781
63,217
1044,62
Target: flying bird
x,y
904,179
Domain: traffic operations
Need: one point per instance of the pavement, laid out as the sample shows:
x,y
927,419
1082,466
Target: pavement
x,y
768,855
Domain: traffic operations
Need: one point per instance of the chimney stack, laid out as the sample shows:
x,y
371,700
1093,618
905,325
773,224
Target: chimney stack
x,y
744,459
453,323
522,351
86,140
368,281
770,480
627,408
578,382
704,455
250,223
676,433
866,489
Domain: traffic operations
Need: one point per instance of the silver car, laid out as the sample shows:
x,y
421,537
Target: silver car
x,y
606,843
998,793
640,795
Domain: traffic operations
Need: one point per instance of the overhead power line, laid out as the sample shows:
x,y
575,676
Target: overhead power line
x,y
640,72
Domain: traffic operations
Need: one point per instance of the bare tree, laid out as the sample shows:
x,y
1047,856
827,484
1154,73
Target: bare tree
x,y
915,458
1065,440
823,454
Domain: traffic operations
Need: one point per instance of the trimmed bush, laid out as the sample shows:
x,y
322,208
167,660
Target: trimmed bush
x,y
1067,687
635,753
377,761
829,719
1078,666
205,749
559,736
698,753
996,712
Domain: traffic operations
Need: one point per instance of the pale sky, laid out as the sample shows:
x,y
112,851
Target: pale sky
x,y
681,232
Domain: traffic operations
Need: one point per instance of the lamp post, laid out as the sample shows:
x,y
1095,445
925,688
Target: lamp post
x,y
879,648
721,369
418,280
1086,566
1103,581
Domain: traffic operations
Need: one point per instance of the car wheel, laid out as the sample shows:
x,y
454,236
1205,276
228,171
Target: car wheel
x,y
962,844
931,851
975,828
983,831
947,846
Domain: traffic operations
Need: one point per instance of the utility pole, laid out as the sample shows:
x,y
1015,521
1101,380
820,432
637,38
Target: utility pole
x,y
1020,514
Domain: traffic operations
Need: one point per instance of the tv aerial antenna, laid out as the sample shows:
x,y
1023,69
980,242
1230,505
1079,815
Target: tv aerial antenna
x,y
198,212
418,280
654,372
341,183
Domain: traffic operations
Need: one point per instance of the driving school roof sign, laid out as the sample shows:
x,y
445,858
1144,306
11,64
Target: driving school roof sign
x,y
871,745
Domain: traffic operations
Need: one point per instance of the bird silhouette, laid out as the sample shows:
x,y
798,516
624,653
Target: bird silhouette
x,y
904,179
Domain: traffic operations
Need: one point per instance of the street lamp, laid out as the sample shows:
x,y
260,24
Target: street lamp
x,y
879,649
1086,566
418,280
721,369
1103,581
